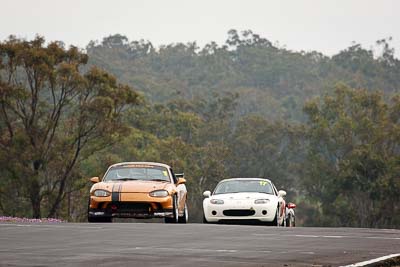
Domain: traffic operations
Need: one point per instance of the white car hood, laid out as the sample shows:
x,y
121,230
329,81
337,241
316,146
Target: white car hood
x,y
244,196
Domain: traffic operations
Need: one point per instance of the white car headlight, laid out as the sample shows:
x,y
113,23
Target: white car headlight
x,y
216,201
159,193
101,193
261,201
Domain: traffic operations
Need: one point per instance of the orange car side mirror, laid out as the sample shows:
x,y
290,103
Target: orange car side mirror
x,y
181,181
95,180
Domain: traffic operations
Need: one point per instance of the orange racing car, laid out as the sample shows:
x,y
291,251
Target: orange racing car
x,y
138,190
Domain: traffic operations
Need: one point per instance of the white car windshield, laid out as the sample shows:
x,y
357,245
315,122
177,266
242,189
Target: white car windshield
x,y
139,172
238,186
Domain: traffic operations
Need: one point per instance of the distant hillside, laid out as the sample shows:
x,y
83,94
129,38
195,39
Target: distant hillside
x,y
270,81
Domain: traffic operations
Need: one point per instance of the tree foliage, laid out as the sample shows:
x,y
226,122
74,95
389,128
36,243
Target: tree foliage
x,y
52,115
352,167
241,109
270,80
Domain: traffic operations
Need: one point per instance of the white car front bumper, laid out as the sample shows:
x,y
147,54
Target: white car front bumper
x,y
239,210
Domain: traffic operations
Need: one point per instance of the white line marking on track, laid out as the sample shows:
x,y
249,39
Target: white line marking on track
x,y
314,236
187,249
226,250
205,250
334,236
364,263
266,234
384,238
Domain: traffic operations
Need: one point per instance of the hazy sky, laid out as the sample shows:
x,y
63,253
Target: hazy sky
x,y
327,26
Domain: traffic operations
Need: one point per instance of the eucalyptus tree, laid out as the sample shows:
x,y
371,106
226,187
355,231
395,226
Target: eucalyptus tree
x,y
352,166
52,114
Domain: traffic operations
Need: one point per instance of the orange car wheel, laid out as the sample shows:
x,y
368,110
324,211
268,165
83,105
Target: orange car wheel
x,y
185,217
175,217
93,219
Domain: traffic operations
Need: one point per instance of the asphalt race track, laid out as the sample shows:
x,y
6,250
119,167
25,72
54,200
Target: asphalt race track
x,y
149,244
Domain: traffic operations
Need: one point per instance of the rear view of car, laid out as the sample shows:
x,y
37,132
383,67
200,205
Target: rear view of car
x,y
138,190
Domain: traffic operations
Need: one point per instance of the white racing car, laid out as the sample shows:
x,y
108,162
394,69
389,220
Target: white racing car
x,y
247,200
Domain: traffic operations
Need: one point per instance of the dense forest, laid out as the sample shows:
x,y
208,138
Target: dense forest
x,y
325,129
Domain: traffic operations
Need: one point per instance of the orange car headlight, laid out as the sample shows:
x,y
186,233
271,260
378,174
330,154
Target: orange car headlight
x,y
159,193
101,193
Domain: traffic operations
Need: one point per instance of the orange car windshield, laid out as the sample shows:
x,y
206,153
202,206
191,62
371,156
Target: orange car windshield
x,y
146,173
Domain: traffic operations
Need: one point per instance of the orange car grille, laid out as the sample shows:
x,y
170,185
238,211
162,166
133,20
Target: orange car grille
x,y
132,207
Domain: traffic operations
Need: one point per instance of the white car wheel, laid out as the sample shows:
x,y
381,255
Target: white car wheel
x,y
275,222
277,218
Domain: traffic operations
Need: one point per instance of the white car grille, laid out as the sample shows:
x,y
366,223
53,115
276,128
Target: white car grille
x,y
242,212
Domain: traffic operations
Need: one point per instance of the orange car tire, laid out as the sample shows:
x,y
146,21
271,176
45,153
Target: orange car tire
x,y
184,218
175,212
92,219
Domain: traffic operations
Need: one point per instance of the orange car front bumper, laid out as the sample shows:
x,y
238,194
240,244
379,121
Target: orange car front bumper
x,y
131,205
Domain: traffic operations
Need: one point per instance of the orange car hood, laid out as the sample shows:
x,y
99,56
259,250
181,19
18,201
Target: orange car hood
x,y
133,186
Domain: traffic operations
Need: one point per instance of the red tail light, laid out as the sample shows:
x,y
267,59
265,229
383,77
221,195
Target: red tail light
x,y
291,206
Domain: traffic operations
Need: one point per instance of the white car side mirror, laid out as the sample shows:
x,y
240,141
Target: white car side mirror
x,y
281,193
207,194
